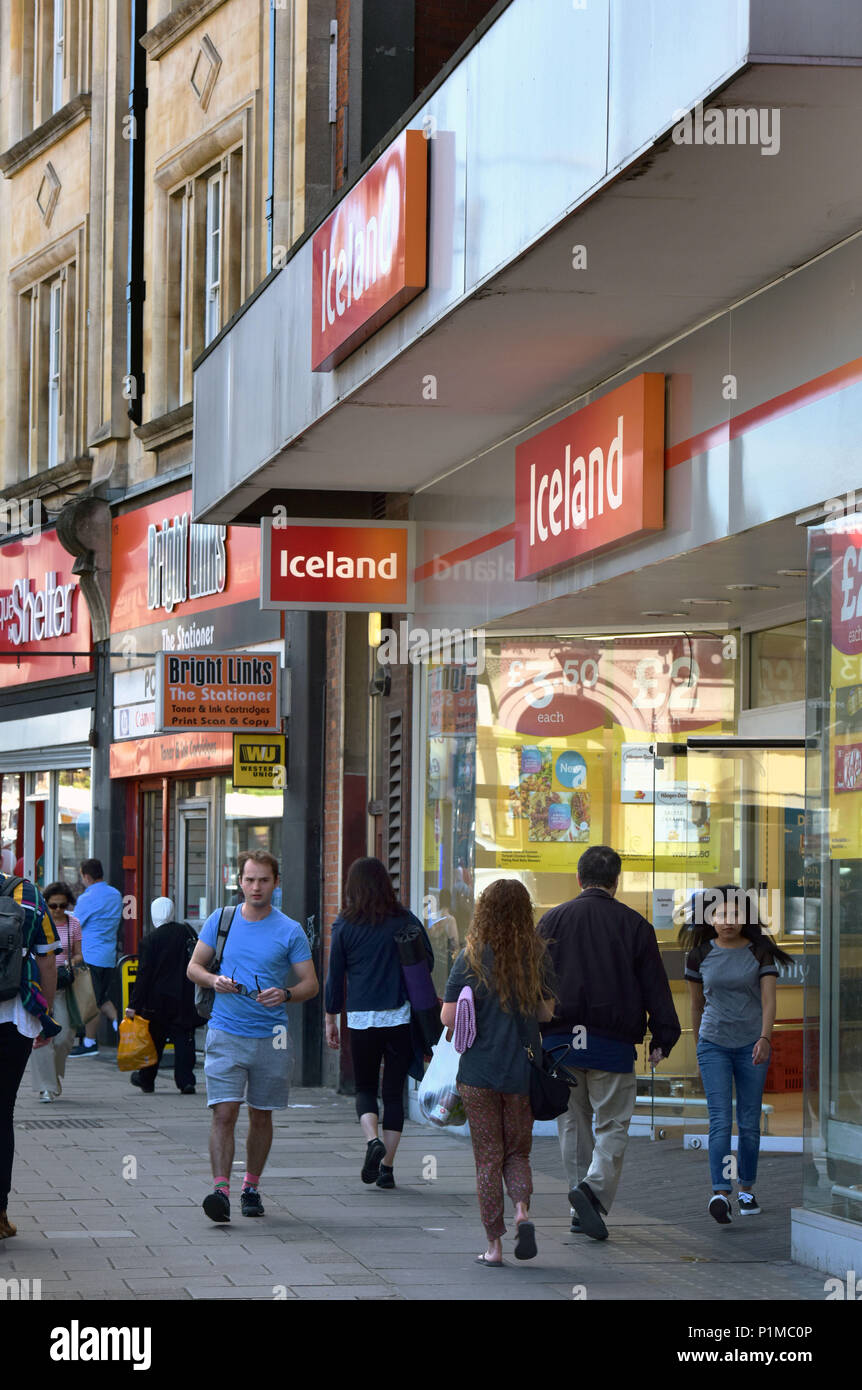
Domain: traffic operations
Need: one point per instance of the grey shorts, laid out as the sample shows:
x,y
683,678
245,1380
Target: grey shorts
x,y
255,1070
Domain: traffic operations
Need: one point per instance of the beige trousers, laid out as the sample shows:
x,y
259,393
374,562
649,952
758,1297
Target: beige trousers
x,y
610,1096
48,1064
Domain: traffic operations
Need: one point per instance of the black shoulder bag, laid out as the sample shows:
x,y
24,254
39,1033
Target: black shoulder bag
x,y
550,1081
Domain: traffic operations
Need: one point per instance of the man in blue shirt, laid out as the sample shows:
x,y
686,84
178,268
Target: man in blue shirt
x,y
99,909
248,1052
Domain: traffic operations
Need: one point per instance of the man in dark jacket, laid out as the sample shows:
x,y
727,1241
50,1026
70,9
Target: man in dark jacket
x,y
611,985
166,997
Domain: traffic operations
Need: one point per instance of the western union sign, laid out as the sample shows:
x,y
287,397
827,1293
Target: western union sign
x,y
259,760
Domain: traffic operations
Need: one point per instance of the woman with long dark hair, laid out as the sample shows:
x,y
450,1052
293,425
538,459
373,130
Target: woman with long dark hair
x,y
731,968
364,955
505,964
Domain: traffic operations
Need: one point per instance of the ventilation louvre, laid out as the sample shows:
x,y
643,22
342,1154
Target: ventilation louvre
x,y
394,797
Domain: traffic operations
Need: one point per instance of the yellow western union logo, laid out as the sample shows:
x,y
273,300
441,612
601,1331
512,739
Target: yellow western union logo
x,y
259,753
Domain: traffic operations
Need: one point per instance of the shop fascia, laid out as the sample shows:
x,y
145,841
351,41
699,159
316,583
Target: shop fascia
x,y
594,479
36,616
185,561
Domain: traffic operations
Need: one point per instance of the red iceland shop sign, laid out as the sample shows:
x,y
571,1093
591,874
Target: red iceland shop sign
x,y
370,257
592,480
44,623
355,566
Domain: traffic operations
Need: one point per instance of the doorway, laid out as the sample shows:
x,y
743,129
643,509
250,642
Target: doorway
x,y
193,865
730,810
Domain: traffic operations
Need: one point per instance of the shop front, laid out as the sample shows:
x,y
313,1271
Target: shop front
x,y
190,590
647,639
46,712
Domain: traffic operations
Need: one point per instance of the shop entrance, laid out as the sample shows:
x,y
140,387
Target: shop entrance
x,y
193,865
730,811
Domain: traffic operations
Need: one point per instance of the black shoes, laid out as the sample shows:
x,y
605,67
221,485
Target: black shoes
x,y
135,1079
386,1177
719,1209
217,1205
250,1202
187,1091
576,1229
373,1154
748,1204
589,1210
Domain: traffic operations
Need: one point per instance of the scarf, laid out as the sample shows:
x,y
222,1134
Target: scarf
x,y
465,1021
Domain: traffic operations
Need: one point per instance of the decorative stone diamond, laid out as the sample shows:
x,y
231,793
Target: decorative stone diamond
x,y
205,71
48,193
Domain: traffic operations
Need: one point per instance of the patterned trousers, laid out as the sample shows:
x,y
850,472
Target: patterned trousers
x,y
501,1130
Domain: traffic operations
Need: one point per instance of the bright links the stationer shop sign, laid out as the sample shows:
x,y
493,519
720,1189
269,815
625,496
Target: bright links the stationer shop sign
x,y
592,480
370,257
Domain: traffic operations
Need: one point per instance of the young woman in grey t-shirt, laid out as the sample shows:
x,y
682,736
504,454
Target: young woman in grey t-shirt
x,y
731,968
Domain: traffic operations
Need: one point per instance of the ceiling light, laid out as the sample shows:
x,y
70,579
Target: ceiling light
x,y
723,601
747,588
662,613
794,574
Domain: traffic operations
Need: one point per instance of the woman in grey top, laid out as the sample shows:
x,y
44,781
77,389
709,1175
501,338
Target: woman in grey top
x,y
731,968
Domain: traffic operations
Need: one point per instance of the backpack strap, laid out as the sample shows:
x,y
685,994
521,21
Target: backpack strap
x,y
221,938
10,886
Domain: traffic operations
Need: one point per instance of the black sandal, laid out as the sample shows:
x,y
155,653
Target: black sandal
x,y
525,1246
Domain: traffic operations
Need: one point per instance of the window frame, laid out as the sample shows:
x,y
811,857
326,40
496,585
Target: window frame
x,y
213,242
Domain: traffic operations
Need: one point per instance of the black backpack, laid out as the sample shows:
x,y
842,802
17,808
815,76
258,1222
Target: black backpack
x,y
13,946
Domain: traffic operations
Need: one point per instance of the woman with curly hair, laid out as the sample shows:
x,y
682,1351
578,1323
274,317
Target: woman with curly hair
x,y
731,969
504,963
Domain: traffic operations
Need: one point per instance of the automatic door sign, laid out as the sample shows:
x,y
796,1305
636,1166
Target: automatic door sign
x,y
258,760
233,691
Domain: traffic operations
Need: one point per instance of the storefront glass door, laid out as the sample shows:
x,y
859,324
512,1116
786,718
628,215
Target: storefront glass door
x,y
730,812
194,904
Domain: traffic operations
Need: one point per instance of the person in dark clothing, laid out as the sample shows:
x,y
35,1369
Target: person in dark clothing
x,y
611,988
363,950
166,997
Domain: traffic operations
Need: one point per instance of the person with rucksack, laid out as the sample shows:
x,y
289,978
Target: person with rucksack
x,y
731,969
165,996
244,955
29,943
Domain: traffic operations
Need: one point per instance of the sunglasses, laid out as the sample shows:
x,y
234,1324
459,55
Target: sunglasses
x,y
243,989
59,906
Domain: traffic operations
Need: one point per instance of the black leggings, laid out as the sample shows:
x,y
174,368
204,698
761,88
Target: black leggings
x,y
368,1048
14,1054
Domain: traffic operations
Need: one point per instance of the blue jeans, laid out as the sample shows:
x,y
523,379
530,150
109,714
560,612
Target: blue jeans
x,y
719,1068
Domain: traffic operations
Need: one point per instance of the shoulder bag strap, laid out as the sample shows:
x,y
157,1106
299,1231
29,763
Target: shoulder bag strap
x,y
10,886
522,1034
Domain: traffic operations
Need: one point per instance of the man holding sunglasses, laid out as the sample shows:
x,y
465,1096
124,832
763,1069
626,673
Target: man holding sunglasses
x,y
248,1052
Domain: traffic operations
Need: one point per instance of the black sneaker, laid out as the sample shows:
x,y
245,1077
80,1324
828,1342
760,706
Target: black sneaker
x,y
373,1155
719,1209
82,1051
135,1079
576,1229
748,1204
217,1205
250,1202
386,1177
589,1210
187,1091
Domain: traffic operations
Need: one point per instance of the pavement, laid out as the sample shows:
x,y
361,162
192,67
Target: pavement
x,y
108,1183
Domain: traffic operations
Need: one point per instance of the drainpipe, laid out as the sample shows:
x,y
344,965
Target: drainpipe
x,y
135,130
270,177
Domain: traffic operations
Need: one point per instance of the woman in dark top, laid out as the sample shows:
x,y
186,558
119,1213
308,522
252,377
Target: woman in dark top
x,y
731,968
363,951
505,964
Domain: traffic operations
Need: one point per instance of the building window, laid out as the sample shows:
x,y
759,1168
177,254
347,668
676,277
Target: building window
x,y
206,256
213,258
59,40
48,313
54,361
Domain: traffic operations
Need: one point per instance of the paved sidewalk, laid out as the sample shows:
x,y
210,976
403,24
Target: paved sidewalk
x,y
108,1184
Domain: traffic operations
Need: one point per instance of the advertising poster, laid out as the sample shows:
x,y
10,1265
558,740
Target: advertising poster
x,y
845,713
568,760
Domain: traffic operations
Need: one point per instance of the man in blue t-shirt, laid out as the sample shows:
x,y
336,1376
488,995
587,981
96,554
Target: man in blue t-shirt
x,y
248,1053
99,909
